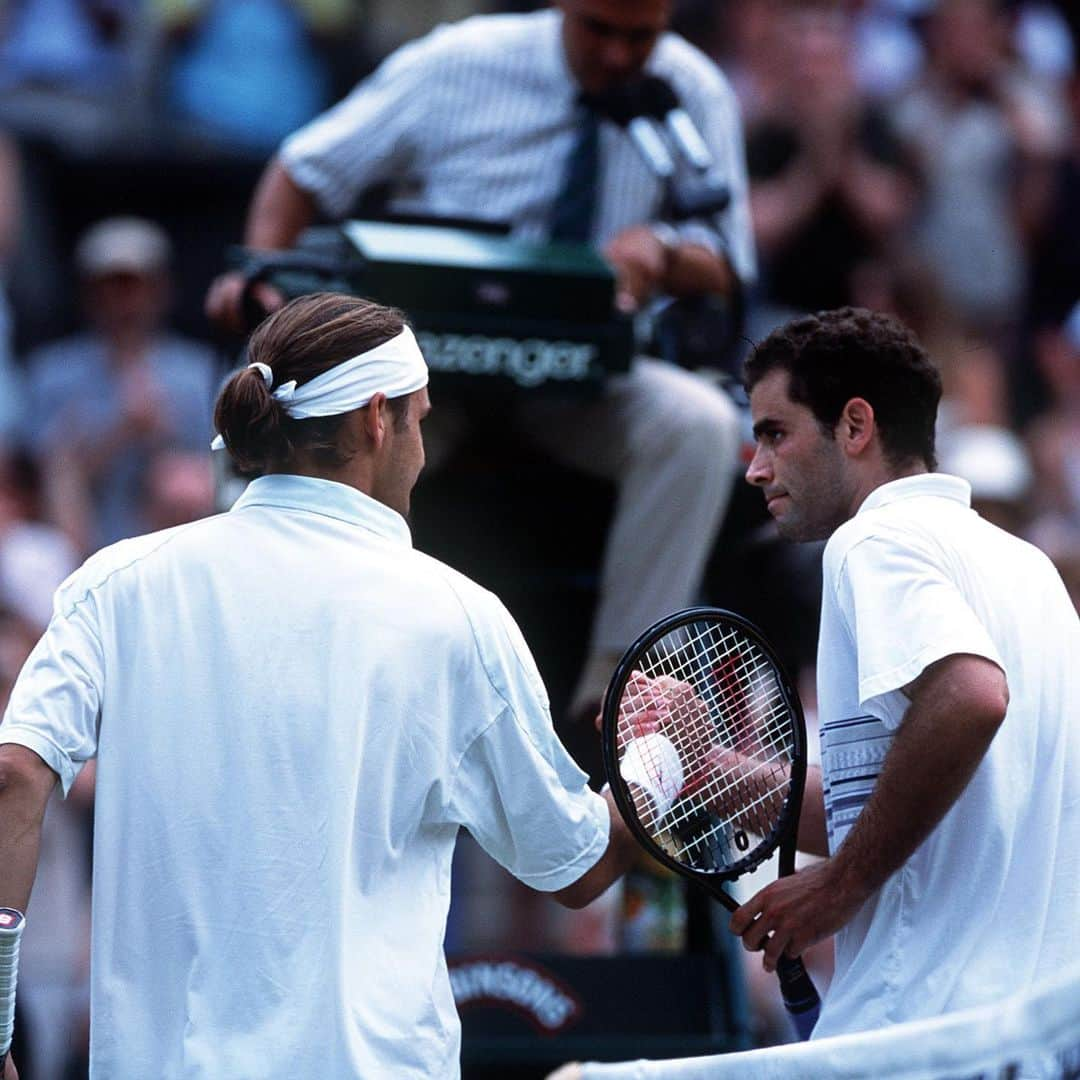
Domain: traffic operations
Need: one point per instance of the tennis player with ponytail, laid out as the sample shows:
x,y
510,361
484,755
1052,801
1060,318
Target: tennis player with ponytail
x,y
293,712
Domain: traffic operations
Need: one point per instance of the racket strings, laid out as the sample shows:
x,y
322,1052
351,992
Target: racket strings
x,y
715,696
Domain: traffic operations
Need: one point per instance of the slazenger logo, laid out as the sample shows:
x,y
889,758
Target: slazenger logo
x,y
528,362
526,989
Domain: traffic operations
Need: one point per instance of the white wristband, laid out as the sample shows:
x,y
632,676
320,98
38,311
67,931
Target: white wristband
x,y
654,765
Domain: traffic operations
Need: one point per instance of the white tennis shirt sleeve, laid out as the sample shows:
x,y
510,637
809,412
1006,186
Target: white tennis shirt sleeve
x,y
515,788
903,613
55,704
369,137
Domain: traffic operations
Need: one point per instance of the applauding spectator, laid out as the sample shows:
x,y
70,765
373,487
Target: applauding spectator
x,y
986,137
828,186
102,403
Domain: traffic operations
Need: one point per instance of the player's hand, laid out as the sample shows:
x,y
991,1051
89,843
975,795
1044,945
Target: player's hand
x,y
225,301
570,1071
662,704
798,911
9,1072
640,260
731,781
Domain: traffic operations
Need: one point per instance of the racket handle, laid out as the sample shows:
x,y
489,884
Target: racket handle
x,y
11,928
800,995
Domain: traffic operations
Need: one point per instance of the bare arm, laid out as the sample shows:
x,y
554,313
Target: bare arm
x,y
279,213
279,210
645,266
694,270
621,852
26,783
957,706
813,835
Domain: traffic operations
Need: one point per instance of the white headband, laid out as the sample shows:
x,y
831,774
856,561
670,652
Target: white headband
x,y
394,368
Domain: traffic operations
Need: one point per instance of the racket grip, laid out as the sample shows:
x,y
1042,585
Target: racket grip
x,y
800,996
11,928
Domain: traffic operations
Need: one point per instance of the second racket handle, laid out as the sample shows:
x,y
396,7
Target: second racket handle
x,y
11,928
801,998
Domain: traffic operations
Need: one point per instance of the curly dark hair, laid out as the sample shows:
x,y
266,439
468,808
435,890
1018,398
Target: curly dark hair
x,y
834,356
308,336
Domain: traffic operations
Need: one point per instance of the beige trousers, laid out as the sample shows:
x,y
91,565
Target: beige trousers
x,y
669,440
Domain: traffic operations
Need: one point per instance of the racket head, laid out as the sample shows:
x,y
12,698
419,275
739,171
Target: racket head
x,y
740,706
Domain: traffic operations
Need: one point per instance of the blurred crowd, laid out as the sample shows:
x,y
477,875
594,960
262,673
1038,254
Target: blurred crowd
x,y
916,156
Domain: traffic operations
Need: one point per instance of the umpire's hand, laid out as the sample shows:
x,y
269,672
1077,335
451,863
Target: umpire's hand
x,y
225,307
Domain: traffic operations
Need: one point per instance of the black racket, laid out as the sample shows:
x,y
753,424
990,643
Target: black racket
x,y
705,750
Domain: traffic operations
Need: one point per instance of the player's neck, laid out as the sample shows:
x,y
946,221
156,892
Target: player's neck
x,y
358,472
885,474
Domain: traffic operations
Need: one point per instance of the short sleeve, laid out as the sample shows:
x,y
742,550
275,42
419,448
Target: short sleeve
x,y
56,701
904,613
529,807
369,137
515,788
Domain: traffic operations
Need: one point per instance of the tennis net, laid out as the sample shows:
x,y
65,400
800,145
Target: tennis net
x,y
1034,1035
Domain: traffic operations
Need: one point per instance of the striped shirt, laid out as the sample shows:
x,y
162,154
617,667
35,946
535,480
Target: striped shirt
x,y
476,120
852,753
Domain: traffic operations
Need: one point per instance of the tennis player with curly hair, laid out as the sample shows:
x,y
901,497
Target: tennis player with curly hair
x,y
948,802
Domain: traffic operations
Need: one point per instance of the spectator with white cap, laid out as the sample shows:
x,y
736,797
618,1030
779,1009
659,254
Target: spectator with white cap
x,y
103,403
996,463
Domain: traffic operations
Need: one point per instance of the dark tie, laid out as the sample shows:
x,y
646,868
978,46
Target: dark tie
x,y
575,206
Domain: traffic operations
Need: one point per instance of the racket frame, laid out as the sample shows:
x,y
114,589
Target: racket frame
x,y
797,988
784,832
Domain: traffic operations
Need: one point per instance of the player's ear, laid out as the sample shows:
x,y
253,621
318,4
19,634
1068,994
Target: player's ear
x,y
857,425
376,420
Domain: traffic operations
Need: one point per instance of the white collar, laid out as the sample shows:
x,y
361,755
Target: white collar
x,y
328,497
940,485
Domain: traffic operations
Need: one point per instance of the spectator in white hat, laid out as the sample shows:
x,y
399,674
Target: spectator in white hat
x,y
996,463
103,403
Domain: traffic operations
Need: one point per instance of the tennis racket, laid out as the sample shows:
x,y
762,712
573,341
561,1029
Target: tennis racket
x,y
11,928
705,750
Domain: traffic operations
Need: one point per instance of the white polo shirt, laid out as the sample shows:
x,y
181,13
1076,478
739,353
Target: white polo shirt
x,y
990,903
293,713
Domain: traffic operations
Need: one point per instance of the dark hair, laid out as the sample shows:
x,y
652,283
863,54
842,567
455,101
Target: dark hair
x,y
834,356
306,337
